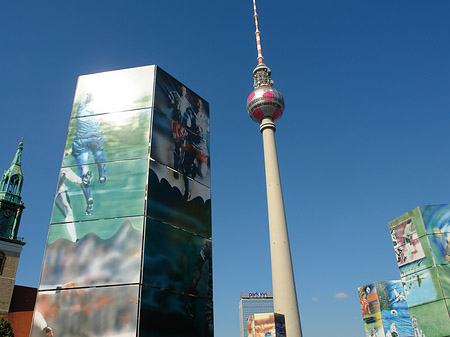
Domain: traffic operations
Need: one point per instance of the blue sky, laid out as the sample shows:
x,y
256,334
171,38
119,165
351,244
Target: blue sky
x,y
364,137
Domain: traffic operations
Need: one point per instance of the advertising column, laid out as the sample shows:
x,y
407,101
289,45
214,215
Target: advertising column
x,y
384,309
116,202
421,244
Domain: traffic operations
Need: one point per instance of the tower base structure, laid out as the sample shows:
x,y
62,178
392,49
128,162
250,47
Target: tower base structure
x,y
421,240
129,244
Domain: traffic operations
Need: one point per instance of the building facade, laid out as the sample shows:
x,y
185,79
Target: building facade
x,y
253,303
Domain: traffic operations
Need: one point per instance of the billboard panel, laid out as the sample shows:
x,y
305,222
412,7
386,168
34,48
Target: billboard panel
x,y
406,243
101,252
415,255
180,148
112,91
398,327
108,137
422,286
108,311
416,217
177,260
181,105
179,200
437,225
266,325
391,297
430,320
83,195
370,307
165,313
384,308
444,279
435,216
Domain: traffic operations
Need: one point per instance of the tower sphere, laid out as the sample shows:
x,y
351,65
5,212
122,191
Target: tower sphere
x,y
265,101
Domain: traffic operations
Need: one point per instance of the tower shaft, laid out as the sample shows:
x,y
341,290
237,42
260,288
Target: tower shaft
x,y
284,293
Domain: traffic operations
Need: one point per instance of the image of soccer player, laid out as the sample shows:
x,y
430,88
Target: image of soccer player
x,y
88,139
182,119
62,200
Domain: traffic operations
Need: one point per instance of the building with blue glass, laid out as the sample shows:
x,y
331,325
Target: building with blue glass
x,y
253,303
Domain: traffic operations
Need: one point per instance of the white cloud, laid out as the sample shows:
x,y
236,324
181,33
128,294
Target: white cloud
x,y
341,295
314,299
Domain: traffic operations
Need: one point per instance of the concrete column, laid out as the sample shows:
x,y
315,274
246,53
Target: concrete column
x,y
283,283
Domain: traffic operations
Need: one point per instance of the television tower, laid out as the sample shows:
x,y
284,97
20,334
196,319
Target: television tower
x,y
265,105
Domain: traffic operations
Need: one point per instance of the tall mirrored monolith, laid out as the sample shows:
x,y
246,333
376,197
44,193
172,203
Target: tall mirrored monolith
x,y
129,244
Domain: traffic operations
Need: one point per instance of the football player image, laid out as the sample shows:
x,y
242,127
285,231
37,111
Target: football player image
x,y
182,118
88,139
62,200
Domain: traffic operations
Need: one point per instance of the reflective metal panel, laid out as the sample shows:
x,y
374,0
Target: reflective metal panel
x,y
102,252
111,91
108,137
177,260
83,194
109,311
176,146
178,200
166,313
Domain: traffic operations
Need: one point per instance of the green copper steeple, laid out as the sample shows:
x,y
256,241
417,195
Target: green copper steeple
x,y
11,205
12,179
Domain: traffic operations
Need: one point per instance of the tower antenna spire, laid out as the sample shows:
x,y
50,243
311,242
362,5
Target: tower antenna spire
x,y
265,105
258,35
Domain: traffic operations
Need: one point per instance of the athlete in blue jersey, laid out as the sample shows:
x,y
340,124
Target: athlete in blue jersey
x,y
88,138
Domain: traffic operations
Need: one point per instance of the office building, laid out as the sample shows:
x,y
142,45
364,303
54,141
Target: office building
x,y
253,303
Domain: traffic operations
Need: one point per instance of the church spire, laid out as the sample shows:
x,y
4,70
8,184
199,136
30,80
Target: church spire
x,y
12,179
11,205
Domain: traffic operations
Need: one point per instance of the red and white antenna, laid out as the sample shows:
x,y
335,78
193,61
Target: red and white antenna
x,y
258,35
265,105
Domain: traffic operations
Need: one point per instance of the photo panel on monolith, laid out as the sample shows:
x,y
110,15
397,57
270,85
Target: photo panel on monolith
x,y
181,105
391,296
178,200
93,253
410,223
177,260
112,91
422,287
430,319
181,149
398,326
370,306
103,190
108,137
165,313
435,217
81,312
443,272
412,252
